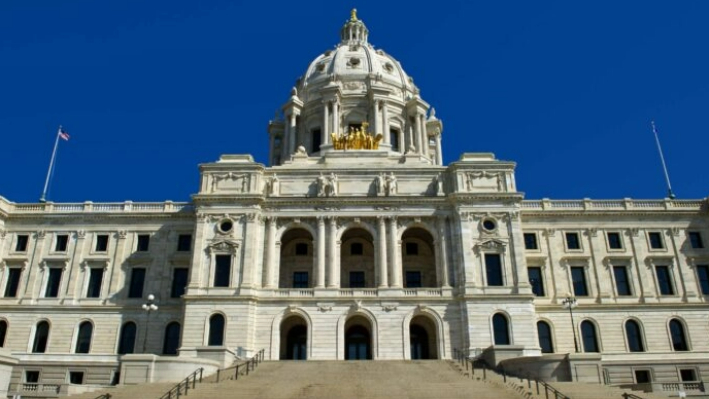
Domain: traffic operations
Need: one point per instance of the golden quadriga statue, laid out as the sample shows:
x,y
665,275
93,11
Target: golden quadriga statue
x,y
356,139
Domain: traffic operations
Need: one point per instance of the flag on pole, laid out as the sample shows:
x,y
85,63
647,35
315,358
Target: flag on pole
x,y
63,134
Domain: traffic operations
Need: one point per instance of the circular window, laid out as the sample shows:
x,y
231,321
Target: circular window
x,y
489,225
225,225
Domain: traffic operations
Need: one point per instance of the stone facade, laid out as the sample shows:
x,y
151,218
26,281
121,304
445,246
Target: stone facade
x,y
357,242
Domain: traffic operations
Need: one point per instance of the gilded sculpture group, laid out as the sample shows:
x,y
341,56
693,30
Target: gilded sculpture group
x,y
356,139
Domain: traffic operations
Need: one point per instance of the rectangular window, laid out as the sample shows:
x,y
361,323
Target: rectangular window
x,y
21,244
413,280
179,282
95,281
695,239
493,267
614,241
688,375
300,279
663,280
13,282
530,241
102,243
578,278
301,249
655,240
32,377
642,376
412,248
76,377
184,242
222,270
316,140
53,281
143,242
703,274
137,281
394,139
622,283
61,243
535,280
356,279
572,241
356,248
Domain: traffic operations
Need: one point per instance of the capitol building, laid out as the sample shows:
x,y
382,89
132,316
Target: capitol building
x,y
354,242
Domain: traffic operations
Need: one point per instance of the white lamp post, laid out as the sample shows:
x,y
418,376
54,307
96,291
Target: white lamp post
x,y
570,303
149,306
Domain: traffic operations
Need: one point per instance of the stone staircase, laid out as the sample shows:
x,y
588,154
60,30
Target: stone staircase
x,y
332,379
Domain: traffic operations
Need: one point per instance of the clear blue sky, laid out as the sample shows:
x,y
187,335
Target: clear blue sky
x,y
150,89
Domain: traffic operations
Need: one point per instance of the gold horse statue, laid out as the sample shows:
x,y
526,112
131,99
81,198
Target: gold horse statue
x,y
356,139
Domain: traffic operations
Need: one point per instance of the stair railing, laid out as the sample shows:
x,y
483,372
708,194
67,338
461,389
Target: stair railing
x,y
233,372
104,396
480,364
630,396
183,387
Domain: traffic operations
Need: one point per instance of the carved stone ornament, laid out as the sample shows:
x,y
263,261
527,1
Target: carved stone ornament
x,y
2,234
421,307
634,231
390,307
471,177
490,246
40,234
549,232
592,232
231,182
229,246
122,234
357,305
327,185
674,231
325,307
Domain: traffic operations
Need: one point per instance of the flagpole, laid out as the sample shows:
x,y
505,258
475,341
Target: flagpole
x,y
43,198
662,158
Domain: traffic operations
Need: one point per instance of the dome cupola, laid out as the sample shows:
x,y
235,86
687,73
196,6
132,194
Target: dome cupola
x,y
354,31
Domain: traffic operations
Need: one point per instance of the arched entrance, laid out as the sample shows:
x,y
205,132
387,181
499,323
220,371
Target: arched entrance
x,y
296,263
294,339
422,338
357,259
358,339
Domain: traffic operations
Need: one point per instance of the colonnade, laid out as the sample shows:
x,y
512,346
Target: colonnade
x,y
387,253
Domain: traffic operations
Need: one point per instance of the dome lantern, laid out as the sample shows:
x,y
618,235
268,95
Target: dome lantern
x,y
354,31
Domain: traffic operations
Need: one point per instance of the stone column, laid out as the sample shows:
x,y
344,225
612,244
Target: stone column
x,y
250,233
325,122
385,123
292,133
394,255
335,117
332,280
376,120
439,151
417,134
424,136
320,281
382,261
270,251
443,251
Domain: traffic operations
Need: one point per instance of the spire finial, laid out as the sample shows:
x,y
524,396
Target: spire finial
x,y
353,15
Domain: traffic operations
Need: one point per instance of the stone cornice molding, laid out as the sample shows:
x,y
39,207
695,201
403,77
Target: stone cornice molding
x,y
86,263
44,264
659,260
14,260
575,260
536,260
223,246
490,245
608,260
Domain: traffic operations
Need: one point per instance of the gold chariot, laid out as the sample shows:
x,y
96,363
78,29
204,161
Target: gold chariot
x,y
356,139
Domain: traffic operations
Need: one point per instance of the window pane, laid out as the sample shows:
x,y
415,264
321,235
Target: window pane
x,y
688,375
127,340
53,282
501,330
413,280
356,248
493,267
222,270
679,340
143,242
635,341
572,241
412,248
172,339
622,284
695,239
13,282
545,342
530,241
179,282
102,243
614,241
578,276
21,244
83,341
61,244
703,273
663,280
3,332
300,280
41,336
535,280
301,248
655,240
356,279
137,280
394,139
95,280
588,337
216,330
316,140
184,242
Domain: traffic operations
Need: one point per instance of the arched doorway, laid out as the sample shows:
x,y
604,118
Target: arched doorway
x,y
296,263
294,339
358,339
422,338
357,259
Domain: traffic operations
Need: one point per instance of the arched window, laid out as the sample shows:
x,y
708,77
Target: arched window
x,y
634,335
216,330
545,341
501,329
83,340
589,337
3,332
126,343
172,339
679,339
41,336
